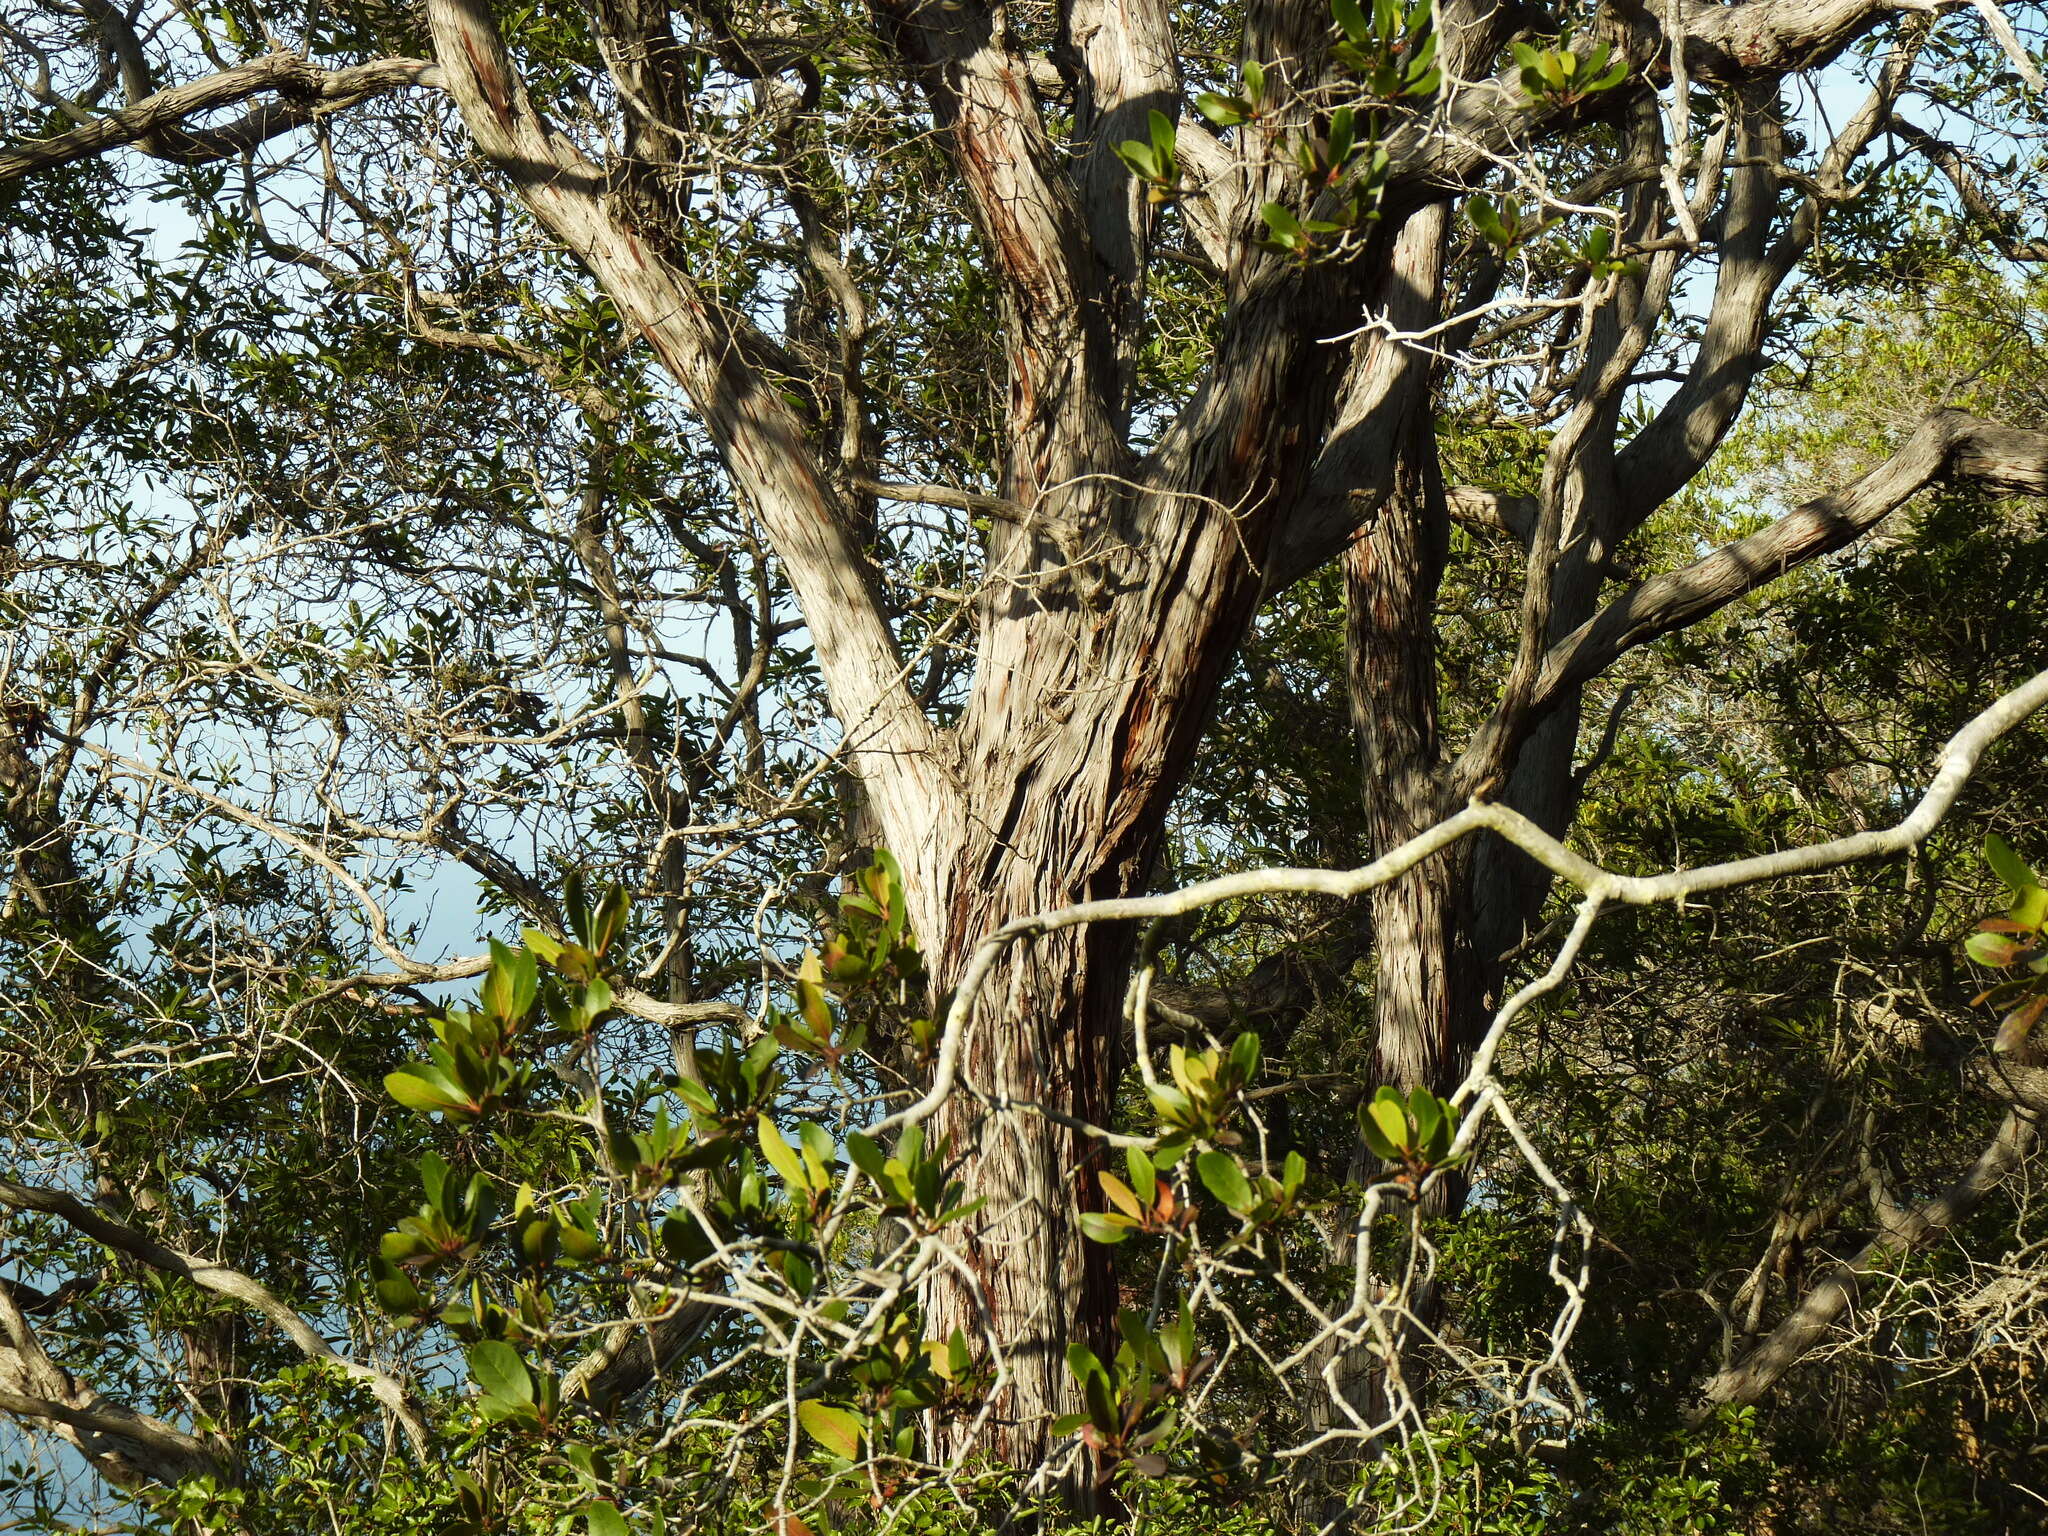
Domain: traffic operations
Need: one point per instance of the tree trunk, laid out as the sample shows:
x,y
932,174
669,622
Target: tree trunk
x,y
1426,1001
1393,568
1100,652
1070,768
1029,1285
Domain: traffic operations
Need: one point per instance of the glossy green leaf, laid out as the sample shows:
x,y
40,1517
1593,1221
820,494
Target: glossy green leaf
x,y
427,1090
496,1367
1104,1227
867,1156
2008,866
836,1429
1992,949
1223,1178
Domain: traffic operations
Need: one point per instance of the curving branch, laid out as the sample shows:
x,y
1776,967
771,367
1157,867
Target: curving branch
x,y
1998,224
125,1447
1954,766
222,1281
143,1448
1746,1380
763,441
1946,446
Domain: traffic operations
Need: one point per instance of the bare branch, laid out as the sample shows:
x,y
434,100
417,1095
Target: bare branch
x,y
306,90
1948,445
1749,1378
1986,215
1953,768
221,1280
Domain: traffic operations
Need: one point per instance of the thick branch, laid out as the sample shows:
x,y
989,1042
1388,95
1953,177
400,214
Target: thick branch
x,y
763,442
222,1281
1025,518
1495,511
1214,209
634,1354
159,1451
1748,1379
1128,70
125,1447
306,91
1948,445
1685,433
1061,342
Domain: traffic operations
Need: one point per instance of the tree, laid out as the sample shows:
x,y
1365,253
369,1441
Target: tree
x,y
931,262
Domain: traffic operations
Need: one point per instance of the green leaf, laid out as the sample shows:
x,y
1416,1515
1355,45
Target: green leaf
x,y
781,1156
1101,1400
497,1368
1286,233
2031,910
511,984
1426,1110
394,1289
1174,1107
1374,1138
2008,866
1225,1180
1104,1227
961,1212
580,1243
538,1241
1162,129
1351,19
574,906
1390,1114
433,1176
1144,1177
609,920
1139,159
601,1517
1611,79
1992,949
866,1154
427,1090
1343,128
819,1154
1082,1364
836,1429
696,1096
1488,220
